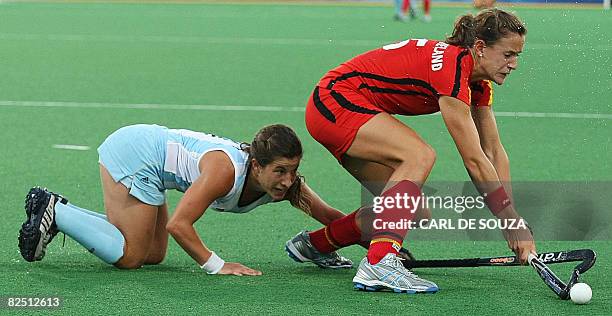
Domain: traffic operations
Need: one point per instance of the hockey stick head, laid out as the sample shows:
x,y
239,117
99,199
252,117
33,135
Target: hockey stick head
x,y
588,260
549,278
588,257
553,282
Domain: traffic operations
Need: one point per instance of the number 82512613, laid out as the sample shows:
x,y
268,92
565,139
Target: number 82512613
x,y
34,302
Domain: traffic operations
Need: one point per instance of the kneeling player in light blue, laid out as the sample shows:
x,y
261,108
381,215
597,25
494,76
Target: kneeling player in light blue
x,y
139,163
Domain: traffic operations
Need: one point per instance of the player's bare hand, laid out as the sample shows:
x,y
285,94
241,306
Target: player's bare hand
x,y
520,241
235,268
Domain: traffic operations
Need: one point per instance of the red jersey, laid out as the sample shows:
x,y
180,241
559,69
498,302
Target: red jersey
x,y
408,77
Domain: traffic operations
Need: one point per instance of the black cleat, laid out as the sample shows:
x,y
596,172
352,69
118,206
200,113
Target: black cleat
x,y
40,228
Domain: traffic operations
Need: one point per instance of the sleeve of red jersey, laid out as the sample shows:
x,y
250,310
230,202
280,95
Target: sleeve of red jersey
x,y
482,93
453,79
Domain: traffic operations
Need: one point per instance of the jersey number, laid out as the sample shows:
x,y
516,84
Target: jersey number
x,y
419,43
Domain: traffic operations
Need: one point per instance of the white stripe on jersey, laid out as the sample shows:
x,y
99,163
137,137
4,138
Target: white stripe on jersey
x,y
182,162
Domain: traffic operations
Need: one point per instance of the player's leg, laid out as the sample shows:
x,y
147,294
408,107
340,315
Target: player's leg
x,y
337,133
426,9
353,228
372,175
348,231
387,141
399,155
363,132
405,6
398,10
134,219
100,215
408,9
157,250
48,213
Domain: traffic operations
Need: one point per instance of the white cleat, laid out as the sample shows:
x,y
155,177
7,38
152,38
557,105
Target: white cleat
x,y
390,274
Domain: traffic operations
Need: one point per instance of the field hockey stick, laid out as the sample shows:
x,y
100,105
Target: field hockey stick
x,y
587,256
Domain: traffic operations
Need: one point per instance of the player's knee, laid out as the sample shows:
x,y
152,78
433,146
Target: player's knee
x,y
129,264
421,156
131,259
155,258
428,155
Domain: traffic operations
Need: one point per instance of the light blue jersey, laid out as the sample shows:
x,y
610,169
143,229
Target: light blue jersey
x,y
149,159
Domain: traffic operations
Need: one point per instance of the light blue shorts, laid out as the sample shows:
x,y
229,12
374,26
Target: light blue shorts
x,y
135,156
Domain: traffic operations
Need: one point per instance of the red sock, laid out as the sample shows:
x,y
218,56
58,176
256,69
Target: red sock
x,y
405,6
385,240
426,6
340,233
379,249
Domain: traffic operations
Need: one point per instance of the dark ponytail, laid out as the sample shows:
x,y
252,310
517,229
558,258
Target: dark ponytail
x,y
464,34
489,25
296,197
279,141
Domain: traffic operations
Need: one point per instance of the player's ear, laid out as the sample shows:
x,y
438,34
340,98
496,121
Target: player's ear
x,y
479,46
255,166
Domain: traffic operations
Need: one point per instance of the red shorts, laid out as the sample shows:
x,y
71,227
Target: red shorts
x,y
333,117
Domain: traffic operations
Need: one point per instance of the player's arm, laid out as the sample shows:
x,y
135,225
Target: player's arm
x,y
484,118
461,126
317,207
216,180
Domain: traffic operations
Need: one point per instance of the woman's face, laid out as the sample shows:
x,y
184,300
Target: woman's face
x,y
277,177
500,59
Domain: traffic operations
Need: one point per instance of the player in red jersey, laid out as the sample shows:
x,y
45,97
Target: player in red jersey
x,y
350,113
403,7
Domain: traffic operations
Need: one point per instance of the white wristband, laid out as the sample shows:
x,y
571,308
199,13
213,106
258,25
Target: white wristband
x,y
213,265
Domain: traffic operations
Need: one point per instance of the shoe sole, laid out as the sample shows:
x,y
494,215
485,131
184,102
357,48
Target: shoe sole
x,y
28,252
29,232
294,254
376,286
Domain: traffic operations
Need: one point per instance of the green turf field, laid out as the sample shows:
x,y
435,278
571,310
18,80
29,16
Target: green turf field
x,y
73,73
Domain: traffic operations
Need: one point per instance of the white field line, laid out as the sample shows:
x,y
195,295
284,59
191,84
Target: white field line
x,y
247,40
185,39
597,116
71,147
200,107
252,108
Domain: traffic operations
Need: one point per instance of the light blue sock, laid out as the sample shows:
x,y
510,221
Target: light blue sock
x,y
100,215
93,232
398,7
